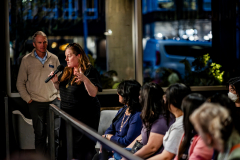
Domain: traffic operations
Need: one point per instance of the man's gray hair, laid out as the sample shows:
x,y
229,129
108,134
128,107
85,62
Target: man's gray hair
x,y
38,33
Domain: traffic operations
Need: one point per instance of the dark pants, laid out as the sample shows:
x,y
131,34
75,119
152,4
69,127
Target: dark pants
x,y
83,147
39,112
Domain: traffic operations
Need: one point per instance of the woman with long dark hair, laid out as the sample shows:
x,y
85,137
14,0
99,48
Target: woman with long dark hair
x,y
156,121
174,96
127,124
192,147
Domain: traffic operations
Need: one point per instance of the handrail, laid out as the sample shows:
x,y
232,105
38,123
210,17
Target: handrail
x,y
89,132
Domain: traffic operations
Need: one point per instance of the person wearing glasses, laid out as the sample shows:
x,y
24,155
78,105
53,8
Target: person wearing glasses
x,y
78,84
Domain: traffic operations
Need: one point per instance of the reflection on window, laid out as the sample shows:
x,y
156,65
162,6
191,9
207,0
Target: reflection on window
x,y
157,5
191,50
179,49
207,5
190,5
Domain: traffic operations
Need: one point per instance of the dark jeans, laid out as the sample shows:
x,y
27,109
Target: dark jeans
x,y
83,147
39,112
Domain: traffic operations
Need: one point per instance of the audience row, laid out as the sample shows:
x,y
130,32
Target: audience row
x,y
177,124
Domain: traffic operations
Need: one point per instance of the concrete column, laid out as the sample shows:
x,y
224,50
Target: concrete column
x,y
120,50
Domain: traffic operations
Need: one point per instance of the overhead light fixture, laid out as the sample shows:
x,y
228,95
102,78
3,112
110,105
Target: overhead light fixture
x,y
54,45
63,47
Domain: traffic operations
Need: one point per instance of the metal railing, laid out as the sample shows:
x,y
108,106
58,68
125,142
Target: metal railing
x,y
7,129
89,132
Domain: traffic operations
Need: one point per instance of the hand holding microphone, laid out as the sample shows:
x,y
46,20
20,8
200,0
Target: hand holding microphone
x,y
54,77
54,74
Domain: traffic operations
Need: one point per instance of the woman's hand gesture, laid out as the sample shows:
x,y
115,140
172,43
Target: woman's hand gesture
x,y
80,76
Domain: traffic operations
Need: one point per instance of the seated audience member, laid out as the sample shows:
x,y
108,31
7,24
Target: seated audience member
x,y
234,90
226,102
156,121
215,125
174,96
233,86
192,146
127,124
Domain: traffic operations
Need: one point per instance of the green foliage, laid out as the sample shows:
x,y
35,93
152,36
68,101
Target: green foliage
x,y
206,73
115,85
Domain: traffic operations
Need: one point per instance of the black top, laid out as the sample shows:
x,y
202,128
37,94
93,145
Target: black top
x,y
76,96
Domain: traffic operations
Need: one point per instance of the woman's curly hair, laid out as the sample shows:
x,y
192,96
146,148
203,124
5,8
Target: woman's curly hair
x,y
215,120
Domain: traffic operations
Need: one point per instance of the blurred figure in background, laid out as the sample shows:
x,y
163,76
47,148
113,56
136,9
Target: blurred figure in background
x,y
215,126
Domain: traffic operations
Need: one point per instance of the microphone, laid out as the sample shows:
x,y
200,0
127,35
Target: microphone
x,y
59,68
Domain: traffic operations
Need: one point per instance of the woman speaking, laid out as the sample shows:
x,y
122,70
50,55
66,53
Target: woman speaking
x,y
78,85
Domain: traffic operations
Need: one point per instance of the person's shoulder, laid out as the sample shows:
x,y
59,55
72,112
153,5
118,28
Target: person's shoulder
x,y
27,56
91,71
235,154
160,121
92,68
178,125
136,115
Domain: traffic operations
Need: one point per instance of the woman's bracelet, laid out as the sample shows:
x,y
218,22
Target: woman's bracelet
x,y
106,136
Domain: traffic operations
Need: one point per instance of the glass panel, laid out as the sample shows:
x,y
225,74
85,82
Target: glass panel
x,y
64,22
157,5
177,47
190,5
194,50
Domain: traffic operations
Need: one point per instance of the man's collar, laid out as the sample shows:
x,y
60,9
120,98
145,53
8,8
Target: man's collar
x,y
36,55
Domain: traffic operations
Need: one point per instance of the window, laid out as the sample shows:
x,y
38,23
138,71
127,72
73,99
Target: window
x,y
177,47
108,41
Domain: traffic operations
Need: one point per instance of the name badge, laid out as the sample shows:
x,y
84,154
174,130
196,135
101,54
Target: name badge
x,y
51,66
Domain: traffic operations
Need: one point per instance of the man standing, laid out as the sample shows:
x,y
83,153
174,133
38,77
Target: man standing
x,y
34,69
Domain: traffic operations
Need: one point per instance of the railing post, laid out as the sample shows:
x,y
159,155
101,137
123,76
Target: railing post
x,y
7,128
51,139
69,141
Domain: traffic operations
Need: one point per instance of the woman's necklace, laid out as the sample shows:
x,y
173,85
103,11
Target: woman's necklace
x,y
69,81
123,122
